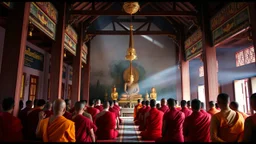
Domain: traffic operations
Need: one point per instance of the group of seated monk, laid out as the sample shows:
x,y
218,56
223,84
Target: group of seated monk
x,y
171,123
59,122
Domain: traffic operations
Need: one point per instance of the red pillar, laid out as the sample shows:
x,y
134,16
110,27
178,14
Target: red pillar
x,y
86,75
13,53
209,58
57,55
77,66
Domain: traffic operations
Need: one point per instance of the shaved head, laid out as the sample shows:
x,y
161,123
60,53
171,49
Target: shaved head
x,y
223,100
79,106
59,107
106,105
234,105
171,102
211,104
163,102
48,106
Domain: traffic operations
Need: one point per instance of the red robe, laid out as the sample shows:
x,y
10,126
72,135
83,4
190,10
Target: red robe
x,y
197,127
68,115
32,121
72,110
113,110
93,111
142,125
48,113
178,108
137,120
10,128
105,122
118,109
164,108
99,107
154,124
174,120
23,118
186,111
83,126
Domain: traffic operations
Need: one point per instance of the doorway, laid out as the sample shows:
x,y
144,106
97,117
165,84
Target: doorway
x,y
201,94
33,85
242,95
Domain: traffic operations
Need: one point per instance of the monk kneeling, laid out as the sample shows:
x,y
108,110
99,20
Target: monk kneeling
x,y
56,128
154,121
197,125
106,123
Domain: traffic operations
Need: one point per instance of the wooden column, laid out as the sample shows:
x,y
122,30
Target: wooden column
x,y
57,55
252,10
77,66
86,75
178,75
13,53
209,58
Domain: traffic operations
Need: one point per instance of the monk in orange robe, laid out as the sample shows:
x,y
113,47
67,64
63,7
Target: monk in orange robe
x,y
177,106
99,105
196,127
23,117
91,110
250,123
234,106
154,122
217,106
184,109
227,125
173,120
48,109
136,108
142,123
137,120
56,128
212,111
164,108
83,125
106,124
32,119
10,126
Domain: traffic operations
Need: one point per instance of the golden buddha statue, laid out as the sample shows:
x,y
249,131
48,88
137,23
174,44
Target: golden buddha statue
x,y
153,94
146,97
114,94
131,90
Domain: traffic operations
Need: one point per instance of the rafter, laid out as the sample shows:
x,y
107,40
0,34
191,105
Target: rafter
x,y
141,26
121,25
127,33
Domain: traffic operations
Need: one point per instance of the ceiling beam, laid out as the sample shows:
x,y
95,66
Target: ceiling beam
x,y
120,13
128,32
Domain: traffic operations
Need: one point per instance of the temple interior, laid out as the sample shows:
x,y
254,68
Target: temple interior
x,y
127,71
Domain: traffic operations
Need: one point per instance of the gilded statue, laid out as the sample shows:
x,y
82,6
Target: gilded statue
x,y
146,97
114,94
131,89
153,94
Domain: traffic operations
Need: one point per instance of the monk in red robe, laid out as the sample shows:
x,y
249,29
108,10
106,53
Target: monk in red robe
x,y
227,125
99,105
177,106
116,106
83,125
32,119
250,123
68,115
158,106
164,108
196,127
154,122
48,109
137,120
56,128
68,105
23,117
136,108
115,111
189,105
173,120
212,111
184,109
234,106
106,123
203,110
91,110
142,120
10,126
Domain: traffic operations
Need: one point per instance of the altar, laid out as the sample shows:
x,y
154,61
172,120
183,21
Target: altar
x,y
126,104
127,112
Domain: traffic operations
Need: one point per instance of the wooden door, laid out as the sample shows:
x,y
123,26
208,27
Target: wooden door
x,y
33,87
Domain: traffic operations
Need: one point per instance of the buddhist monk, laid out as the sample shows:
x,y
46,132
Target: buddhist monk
x,y
234,106
106,123
10,126
227,125
202,109
142,123
115,111
136,108
154,122
48,109
250,122
32,119
172,130
83,125
177,106
98,105
187,112
91,110
116,106
212,111
217,106
158,106
23,117
68,105
56,128
137,120
164,108
196,127
189,105
86,114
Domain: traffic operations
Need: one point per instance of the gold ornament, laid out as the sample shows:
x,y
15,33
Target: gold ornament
x,y
131,7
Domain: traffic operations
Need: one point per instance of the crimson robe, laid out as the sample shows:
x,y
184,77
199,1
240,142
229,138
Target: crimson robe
x,y
83,126
178,108
32,121
113,110
142,124
99,107
72,110
154,124
48,113
137,118
174,120
197,127
106,123
204,112
68,115
10,128
23,118
186,111
118,111
93,111
164,108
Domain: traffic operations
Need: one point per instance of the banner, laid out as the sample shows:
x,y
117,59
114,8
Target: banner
x,y
84,53
34,59
44,16
70,40
193,45
229,20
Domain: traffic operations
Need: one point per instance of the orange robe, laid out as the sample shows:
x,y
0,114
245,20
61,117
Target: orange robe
x,y
186,111
212,111
136,109
32,121
243,114
196,127
106,123
154,124
60,130
10,128
164,108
